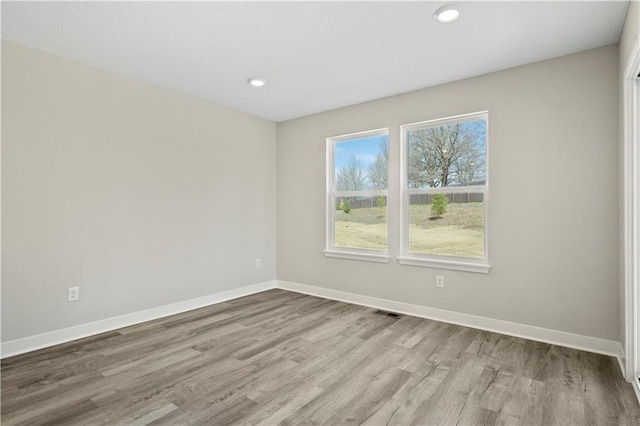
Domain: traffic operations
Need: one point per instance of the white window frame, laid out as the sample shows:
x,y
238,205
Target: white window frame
x,y
431,260
347,252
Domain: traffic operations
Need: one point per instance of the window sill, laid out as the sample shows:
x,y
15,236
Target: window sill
x,y
457,265
369,257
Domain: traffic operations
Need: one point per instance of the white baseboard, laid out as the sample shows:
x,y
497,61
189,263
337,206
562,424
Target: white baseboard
x,y
576,341
39,341
560,338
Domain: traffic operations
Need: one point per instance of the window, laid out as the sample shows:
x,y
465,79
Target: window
x,y
444,193
357,196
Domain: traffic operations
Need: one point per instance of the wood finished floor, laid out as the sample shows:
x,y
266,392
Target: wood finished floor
x,y
285,358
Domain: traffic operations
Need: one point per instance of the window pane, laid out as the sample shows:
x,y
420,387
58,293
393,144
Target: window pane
x,y
447,155
361,222
447,224
361,164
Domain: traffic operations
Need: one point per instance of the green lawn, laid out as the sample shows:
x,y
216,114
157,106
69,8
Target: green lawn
x,y
362,228
458,233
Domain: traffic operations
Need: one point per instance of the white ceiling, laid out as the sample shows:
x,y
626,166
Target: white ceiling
x,y
315,56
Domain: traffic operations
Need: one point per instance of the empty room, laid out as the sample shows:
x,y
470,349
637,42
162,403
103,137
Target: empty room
x,y
238,213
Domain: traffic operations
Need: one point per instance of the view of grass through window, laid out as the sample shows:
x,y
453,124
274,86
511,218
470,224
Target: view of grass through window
x,y
360,185
458,231
365,226
447,154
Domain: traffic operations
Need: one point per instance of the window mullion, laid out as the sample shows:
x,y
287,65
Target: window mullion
x,y
372,193
448,190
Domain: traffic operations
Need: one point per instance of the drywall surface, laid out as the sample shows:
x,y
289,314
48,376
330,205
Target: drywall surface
x,y
139,196
553,212
630,32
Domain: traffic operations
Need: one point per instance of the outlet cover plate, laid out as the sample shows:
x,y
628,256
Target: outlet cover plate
x,y
73,294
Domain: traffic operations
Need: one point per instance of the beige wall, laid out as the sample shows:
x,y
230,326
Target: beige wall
x,y
630,36
630,32
140,196
553,131
144,197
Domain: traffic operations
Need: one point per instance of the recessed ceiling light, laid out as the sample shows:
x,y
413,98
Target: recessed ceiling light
x,y
256,82
446,14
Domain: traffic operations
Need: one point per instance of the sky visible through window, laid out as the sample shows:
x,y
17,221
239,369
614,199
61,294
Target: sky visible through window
x,y
364,149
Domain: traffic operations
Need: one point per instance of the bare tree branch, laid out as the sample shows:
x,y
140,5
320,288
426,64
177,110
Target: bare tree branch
x,y
448,155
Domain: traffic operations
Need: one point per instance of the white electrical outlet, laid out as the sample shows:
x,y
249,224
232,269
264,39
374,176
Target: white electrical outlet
x,y
440,281
258,263
73,294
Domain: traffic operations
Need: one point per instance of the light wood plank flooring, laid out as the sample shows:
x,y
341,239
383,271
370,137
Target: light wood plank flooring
x,y
285,358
